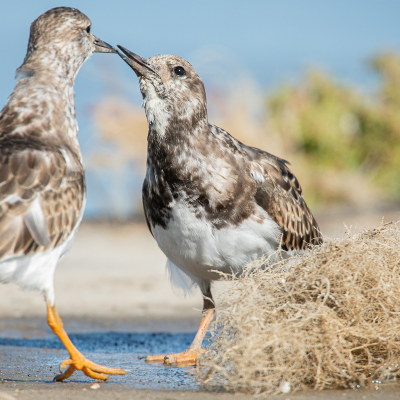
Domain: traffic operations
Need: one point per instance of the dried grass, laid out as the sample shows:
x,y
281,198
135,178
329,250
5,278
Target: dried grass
x,y
330,320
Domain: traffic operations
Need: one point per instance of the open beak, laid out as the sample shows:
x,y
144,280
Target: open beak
x,y
140,65
103,47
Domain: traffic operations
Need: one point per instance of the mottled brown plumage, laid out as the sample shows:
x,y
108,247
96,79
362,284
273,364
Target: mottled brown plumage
x,y
42,180
281,196
34,171
42,183
250,176
211,202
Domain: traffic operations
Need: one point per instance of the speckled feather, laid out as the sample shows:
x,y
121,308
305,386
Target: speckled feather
x,y
211,202
31,171
211,170
42,182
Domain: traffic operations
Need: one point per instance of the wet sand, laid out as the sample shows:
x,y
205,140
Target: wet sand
x,y
118,305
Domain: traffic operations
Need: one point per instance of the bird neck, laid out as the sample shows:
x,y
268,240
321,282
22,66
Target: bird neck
x,y
56,65
171,124
172,150
42,103
170,132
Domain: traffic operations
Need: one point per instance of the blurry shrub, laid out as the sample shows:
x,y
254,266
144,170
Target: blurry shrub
x,y
124,124
344,146
336,132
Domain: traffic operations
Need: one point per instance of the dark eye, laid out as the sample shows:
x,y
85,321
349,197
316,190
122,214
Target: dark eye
x,y
88,29
179,71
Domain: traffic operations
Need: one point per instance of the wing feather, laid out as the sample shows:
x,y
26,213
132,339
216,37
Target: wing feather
x,y
35,221
40,197
281,196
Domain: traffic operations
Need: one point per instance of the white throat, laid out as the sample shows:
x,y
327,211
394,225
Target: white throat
x,y
156,108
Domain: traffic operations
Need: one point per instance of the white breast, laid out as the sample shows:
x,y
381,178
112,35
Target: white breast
x,y
36,271
197,248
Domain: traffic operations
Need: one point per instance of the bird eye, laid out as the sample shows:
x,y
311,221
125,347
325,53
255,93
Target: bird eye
x,y
88,29
179,71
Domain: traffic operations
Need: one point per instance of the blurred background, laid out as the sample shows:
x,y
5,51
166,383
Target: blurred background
x,y
314,82
317,83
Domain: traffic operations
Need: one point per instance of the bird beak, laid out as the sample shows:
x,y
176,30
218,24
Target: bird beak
x,y
140,65
103,47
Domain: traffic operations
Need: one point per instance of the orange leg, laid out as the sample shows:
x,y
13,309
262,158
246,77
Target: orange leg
x,y
76,361
189,356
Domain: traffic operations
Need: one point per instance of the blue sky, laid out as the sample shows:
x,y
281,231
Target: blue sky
x,y
273,41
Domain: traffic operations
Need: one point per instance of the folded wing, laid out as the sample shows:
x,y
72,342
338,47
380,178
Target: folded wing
x,y
40,198
279,193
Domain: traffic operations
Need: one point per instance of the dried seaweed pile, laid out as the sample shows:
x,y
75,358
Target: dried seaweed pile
x,y
331,319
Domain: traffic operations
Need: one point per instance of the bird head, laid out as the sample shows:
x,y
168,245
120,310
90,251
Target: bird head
x,y
170,86
61,38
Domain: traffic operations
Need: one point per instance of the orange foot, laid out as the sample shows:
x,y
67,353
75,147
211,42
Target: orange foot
x,y
76,361
88,367
188,357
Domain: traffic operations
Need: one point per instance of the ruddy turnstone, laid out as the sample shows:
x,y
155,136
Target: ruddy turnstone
x,y
211,202
42,180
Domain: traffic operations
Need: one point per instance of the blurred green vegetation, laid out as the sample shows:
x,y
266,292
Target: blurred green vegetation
x,y
335,130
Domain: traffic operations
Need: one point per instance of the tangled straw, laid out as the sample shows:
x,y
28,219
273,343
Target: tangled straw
x,y
329,319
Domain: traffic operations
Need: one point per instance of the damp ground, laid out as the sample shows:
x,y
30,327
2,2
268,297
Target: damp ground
x,y
30,356
31,353
117,305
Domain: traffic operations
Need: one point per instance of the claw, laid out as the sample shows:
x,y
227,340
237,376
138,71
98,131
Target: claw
x,y
64,375
88,367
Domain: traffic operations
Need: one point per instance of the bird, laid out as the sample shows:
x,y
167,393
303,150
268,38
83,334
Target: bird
x,y
213,204
42,179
